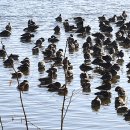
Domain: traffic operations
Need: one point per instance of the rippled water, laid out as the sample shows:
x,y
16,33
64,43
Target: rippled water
x,y
43,108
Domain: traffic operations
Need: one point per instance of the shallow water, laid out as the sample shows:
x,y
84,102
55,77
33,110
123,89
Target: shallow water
x,y
43,108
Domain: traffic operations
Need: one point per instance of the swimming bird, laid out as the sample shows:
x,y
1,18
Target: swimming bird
x,y
5,33
120,91
23,86
45,80
104,86
14,56
59,18
39,42
26,37
96,103
41,65
2,51
9,62
8,27
127,115
56,30
122,109
35,50
120,54
63,90
85,67
119,102
31,26
103,94
17,74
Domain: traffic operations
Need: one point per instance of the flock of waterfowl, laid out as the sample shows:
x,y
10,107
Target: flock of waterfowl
x,y
100,51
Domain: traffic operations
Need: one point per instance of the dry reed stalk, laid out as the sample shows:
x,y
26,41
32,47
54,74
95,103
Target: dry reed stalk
x,y
20,93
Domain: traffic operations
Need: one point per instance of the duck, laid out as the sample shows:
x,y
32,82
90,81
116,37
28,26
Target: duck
x,y
86,86
78,19
59,18
85,67
80,23
97,50
114,44
24,67
84,75
127,115
97,61
104,86
116,67
14,56
59,53
107,58
69,75
105,28
120,54
45,80
120,23
52,72
102,18
63,90
5,33
17,74
119,102
9,62
23,86
26,60
124,14
41,65
35,50
57,30
106,65
96,103
107,42
2,51
84,78
31,26
113,19
120,17
54,87
120,91
122,109
26,37
53,39
107,76
8,27
67,64
48,53
58,61
128,76
99,35
68,27
103,94
120,36
39,42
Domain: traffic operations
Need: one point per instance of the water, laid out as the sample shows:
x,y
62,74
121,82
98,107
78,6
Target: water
x,y
43,108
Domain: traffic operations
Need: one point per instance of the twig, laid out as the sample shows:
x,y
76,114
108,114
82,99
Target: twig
x,y
64,97
20,93
1,123
68,104
34,125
